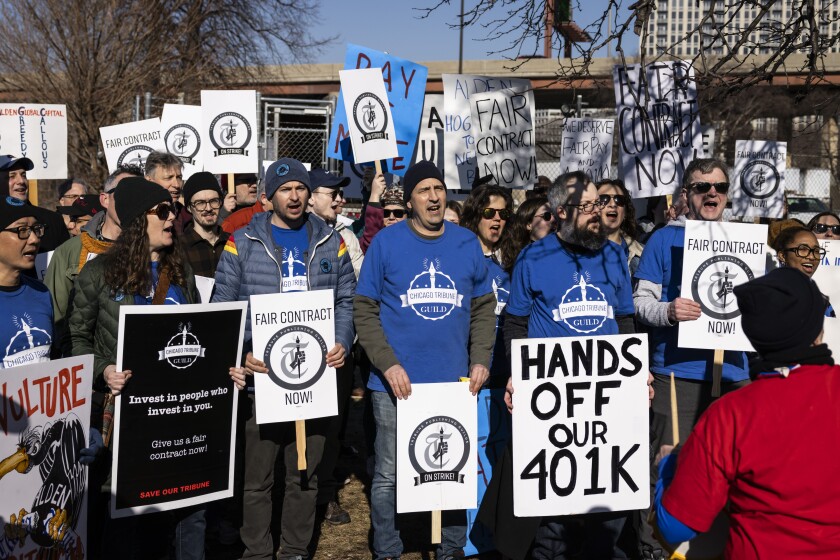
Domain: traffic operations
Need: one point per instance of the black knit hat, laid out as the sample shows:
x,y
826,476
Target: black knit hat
x,y
418,172
783,310
135,195
13,209
201,181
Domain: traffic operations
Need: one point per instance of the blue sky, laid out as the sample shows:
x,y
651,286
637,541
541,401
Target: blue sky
x,y
394,26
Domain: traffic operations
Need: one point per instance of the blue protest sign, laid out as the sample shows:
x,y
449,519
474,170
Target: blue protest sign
x,y
405,82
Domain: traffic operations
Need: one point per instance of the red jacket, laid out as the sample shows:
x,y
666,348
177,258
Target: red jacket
x,y
241,218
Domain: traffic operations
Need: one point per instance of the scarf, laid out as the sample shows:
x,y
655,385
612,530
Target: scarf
x,y
784,360
90,245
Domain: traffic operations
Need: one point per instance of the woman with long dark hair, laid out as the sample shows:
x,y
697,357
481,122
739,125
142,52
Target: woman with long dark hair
x,y
618,218
533,221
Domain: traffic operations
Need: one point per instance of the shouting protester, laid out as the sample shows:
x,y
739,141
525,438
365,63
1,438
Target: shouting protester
x,y
275,252
618,219
203,240
418,343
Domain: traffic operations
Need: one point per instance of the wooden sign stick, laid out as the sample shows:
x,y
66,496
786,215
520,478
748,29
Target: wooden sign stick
x,y
436,523
717,373
33,191
300,440
378,165
231,186
675,420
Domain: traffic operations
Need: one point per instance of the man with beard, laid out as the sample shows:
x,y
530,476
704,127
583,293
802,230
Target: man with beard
x,y
573,283
203,240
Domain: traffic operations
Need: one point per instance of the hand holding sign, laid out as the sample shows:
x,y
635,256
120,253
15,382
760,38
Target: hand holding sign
x,y
682,309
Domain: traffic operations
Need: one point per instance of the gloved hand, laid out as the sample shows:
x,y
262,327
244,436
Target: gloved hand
x,y
89,453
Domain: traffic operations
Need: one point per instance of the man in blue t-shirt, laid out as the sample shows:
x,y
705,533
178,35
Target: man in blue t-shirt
x,y
573,283
26,319
660,306
424,311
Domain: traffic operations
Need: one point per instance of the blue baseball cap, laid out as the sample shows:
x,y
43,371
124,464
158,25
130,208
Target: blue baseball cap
x,y
281,172
321,178
9,162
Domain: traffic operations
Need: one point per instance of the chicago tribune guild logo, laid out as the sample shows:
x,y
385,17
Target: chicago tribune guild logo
x,y
230,133
432,294
760,179
371,117
713,282
438,450
183,349
183,141
135,155
296,357
583,307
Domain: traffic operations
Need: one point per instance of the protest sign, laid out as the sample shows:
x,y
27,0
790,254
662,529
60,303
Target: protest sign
x,y
430,137
37,132
180,126
759,179
459,135
503,127
356,173
42,262
827,275
131,143
436,448
229,131
580,425
175,420
658,125
204,285
405,83
370,126
45,421
292,333
586,145
719,256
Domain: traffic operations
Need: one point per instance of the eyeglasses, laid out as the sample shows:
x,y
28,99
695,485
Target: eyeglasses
x,y
333,193
70,197
23,232
490,213
803,251
822,228
395,213
704,187
546,216
162,211
200,205
589,207
619,199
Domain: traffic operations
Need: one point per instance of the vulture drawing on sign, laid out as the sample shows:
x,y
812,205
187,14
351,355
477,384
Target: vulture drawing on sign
x,y
53,448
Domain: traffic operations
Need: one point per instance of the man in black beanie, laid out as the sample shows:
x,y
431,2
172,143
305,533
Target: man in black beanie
x,y
768,450
203,239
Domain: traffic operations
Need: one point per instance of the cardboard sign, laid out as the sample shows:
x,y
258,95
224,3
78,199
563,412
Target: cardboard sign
x,y
503,126
175,420
759,179
430,137
131,143
827,275
405,83
371,126
719,256
180,126
586,145
44,424
459,134
436,448
580,425
37,132
292,333
658,125
229,129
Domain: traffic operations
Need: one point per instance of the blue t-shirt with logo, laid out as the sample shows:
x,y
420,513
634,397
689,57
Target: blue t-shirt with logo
x,y
425,288
662,263
500,280
294,252
174,295
26,324
565,293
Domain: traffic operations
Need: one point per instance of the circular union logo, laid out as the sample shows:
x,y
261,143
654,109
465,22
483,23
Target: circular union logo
x,y
183,141
296,357
712,284
439,444
760,179
230,131
135,155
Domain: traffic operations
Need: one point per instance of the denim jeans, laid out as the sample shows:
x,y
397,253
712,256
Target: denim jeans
x,y
383,492
189,533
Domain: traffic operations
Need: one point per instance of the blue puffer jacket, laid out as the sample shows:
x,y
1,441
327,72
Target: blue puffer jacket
x,y
250,265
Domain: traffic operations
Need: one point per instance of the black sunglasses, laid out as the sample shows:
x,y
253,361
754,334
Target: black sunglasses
x,y
704,187
333,194
822,228
546,216
619,199
395,213
162,211
490,213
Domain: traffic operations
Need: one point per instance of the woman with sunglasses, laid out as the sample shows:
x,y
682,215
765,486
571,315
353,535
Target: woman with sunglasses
x,y
144,266
825,225
384,208
618,218
532,221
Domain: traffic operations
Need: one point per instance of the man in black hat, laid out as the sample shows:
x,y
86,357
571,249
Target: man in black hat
x,y
81,212
203,240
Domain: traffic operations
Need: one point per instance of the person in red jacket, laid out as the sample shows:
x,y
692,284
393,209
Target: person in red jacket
x,y
242,217
768,450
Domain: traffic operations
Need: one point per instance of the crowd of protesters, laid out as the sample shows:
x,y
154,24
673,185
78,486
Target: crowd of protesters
x,y
765,450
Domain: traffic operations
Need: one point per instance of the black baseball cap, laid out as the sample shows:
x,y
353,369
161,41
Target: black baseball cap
x,y
9,162
320,178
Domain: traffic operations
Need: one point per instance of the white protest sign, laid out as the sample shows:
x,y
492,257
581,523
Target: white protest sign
x,y
430,137
436,448
459,140
586,145
719,256
503,127
368,115
229,129
131,143
292,333
580,425
204,285
827,275
759,179
180,126
658,125
42,262
37,132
